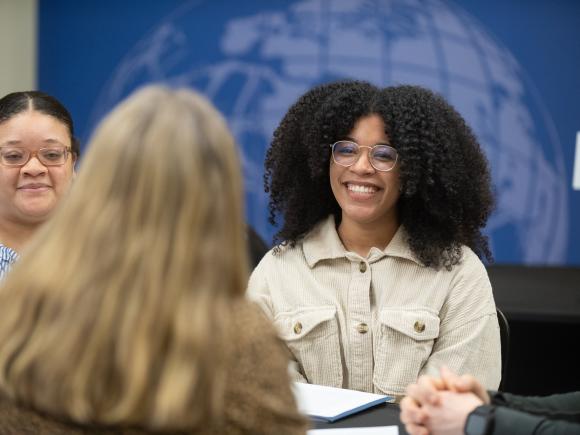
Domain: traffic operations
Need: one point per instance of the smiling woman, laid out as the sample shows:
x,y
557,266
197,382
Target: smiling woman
x,y
376,277
38,151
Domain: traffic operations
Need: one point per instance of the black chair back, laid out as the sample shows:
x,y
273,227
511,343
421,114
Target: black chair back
x,y
504,332
257,247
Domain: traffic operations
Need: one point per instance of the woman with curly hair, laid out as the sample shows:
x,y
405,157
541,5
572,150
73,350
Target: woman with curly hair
x,y
375,278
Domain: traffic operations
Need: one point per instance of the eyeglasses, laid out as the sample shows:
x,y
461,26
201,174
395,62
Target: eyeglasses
x,y
17,156
346,153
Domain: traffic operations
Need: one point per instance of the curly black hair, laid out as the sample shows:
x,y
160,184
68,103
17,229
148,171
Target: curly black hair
x,y
446,195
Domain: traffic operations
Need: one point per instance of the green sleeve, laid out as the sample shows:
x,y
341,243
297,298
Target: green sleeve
x,y
513,422
559,406
555,414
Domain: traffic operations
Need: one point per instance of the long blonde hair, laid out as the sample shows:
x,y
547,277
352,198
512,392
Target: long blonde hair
x,y
118,311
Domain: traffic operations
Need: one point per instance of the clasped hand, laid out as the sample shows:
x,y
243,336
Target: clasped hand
x,y
440,406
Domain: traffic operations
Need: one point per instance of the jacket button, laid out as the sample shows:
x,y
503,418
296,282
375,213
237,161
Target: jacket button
x,y
419,326
362,328
362,267
297,328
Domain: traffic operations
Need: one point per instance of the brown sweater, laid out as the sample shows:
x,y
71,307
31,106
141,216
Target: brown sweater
x,y
258,399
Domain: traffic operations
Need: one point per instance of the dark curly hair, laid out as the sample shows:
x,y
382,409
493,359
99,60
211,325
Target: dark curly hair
x,y
446,195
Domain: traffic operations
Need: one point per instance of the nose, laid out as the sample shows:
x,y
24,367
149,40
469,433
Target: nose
x,y
363,164
33,167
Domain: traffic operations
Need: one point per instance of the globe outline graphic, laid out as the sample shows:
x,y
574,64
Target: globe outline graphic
x,y
265,59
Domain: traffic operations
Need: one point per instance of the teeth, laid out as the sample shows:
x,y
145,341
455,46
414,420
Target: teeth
x,y
361,189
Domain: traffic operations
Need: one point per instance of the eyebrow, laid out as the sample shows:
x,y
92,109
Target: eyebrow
x,y
382,142
53,141
17,142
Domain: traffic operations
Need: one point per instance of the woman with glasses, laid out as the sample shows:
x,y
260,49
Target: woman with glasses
x,y
38,152
126,314
375,278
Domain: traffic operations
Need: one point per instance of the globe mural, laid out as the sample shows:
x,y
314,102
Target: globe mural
x,y
254,61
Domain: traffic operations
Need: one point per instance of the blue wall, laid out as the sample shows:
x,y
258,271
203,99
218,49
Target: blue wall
x,y
510,67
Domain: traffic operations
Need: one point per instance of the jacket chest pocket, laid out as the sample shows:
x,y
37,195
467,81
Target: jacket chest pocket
x,y
404,341
312,335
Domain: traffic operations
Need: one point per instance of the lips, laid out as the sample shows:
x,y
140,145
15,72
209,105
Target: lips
x,y
34,186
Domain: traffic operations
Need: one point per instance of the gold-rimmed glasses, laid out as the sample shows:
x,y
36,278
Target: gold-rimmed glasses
x,y
382,157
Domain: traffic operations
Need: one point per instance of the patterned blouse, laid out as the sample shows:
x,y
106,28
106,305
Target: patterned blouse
x,y
7,257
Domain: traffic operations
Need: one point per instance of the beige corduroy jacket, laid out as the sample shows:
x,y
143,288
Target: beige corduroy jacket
x,y
376,323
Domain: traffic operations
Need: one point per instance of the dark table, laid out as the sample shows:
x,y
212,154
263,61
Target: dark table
x,y
386,414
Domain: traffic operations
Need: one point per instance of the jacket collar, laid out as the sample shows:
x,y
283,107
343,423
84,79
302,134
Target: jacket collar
x,y
323,243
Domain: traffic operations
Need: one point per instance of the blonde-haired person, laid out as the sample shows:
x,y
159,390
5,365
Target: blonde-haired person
x,y
127,313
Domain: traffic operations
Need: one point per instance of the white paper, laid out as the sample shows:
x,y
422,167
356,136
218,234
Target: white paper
x,y
330,403
379,430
